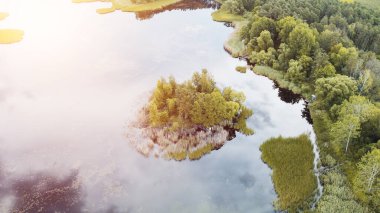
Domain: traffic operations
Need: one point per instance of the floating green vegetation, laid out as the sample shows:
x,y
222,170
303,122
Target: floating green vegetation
x,y
292,162
3,15
131,5
241,69
191,119
9,36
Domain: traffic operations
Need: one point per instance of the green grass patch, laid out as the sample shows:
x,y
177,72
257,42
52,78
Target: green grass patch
x,y
159,4
223,15
292,162
128,6
241,69
234,45
279,77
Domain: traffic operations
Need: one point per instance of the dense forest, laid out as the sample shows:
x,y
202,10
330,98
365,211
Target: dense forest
x,y
328,51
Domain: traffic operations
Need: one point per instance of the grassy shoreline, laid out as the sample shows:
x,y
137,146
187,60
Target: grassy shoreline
x,y
234,46
128,6
301,197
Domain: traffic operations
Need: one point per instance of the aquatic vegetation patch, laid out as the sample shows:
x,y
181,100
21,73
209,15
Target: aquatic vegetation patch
x,y
9,36
241,69
291,160
190,119
131,5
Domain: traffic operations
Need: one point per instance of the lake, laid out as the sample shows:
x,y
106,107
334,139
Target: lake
x,y
70,88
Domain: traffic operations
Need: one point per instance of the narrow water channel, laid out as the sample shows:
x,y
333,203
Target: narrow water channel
x,y
70,88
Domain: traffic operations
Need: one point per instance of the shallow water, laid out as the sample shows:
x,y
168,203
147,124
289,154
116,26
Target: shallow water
x,y
70,88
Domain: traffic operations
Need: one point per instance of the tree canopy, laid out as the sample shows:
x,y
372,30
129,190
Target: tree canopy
x,y
197,102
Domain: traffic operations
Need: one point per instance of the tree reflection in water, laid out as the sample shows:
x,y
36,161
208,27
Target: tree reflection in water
x,y
183,6
289,97
42,192
306,113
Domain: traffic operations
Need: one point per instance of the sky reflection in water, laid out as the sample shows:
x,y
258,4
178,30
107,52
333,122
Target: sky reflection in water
x,y
69,89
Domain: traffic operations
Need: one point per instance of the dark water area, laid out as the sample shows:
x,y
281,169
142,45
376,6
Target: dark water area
x,y
287,95
290,97
41,192
306,113
69,90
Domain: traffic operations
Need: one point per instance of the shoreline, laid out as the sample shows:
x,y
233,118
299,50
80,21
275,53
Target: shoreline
x,y
231,46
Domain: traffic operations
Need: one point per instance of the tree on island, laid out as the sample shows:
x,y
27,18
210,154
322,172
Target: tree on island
x,y
193,118
197,103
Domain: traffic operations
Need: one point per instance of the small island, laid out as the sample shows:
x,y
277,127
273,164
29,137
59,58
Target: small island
x,y
9,36
189,119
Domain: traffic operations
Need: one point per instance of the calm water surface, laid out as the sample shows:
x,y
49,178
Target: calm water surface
x,y
70,88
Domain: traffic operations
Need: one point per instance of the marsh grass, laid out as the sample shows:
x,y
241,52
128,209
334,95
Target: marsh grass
x,y
280,78
129,6
241,69
149,6
234,45
291,160
222,15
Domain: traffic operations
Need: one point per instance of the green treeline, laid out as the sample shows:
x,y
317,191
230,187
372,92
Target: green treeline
x,y
328,51
291,160
197,102
353,21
